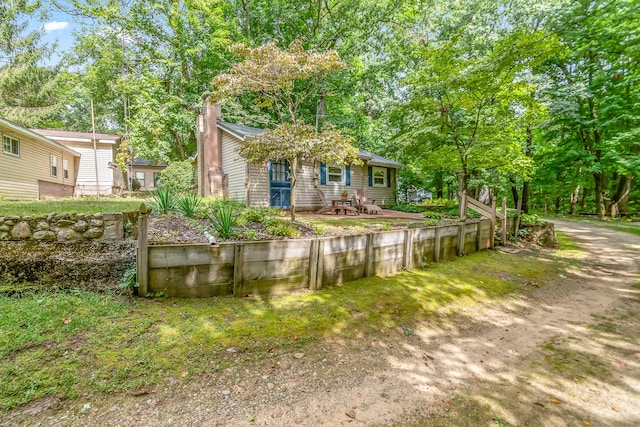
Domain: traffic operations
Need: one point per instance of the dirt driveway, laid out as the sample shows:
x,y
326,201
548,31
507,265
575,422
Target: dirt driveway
x,y
565,353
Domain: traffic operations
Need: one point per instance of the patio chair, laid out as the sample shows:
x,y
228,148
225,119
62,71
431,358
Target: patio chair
x,y
328,207
364,204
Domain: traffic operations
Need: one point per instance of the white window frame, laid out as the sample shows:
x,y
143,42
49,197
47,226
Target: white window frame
x,y
8,144
335,174
53,165
65,168
375,169
140,181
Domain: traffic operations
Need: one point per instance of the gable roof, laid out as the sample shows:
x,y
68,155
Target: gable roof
x,y
36,136
242,132
63,135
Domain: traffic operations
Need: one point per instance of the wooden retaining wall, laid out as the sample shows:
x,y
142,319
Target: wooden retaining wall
x,y
281,266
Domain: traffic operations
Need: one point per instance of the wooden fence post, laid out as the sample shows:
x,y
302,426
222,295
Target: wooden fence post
x,y
237,270
320,264
142,260
368,258
462,207
519,208
408,249
461,239
503,231
492,232
436,245
313,264
478,236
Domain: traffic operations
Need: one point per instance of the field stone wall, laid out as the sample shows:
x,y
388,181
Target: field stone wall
x,y
63,227
79,250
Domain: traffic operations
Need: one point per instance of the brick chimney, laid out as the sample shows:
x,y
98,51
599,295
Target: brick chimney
x,y
211,177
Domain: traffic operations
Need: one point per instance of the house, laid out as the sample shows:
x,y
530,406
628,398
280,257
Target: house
x,y
222,172
34,167
110,177
146,172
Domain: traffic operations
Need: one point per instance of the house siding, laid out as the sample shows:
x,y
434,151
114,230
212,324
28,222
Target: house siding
x,y
234,167
258,186
20,177
148,175
86,182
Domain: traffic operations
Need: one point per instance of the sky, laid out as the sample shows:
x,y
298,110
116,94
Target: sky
x,y
58,27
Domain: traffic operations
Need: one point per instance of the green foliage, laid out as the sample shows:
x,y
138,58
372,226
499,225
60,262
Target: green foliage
x,y
408,207
432,215
178,176
162,200
258,215
279,227
129,284
531,219
69,205
223,220
189,204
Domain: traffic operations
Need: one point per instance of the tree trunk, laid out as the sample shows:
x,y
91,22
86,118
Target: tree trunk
x,y
292,201
620,201
574,200
600,208
514,191
525,196
180,145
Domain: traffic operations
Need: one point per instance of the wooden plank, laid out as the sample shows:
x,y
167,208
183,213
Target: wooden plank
x,y
389,253
202,291
448,230
277,249
448,247
190,276
462,206
422,252
161,256
503,229
478,236
273,269
368,260
387,268
388,238
142,260
237,270
423,234
344,244
350,274
344,260
313,264
273,286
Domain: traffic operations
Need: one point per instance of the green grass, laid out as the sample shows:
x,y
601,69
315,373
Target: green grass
x,y
68,205
113,344
565,243
358,225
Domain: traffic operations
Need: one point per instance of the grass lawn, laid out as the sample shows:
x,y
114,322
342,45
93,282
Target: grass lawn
x,y
75,343
68,205
329,224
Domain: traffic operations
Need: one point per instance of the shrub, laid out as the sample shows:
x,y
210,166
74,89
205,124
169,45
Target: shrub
x,y
530,219
278,227
222,220
256,215
432,215
188,204
161,200
179,176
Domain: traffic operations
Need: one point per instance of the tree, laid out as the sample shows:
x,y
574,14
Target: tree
x,y
29,89
282,80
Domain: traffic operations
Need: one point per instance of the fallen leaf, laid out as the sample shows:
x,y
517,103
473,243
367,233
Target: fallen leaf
x,y
184,374
539,404
66,320
554,400
587,423
576,379
271,350
615,409
351,413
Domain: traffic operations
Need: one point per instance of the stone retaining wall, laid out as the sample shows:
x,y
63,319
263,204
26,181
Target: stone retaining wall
x,y
65,227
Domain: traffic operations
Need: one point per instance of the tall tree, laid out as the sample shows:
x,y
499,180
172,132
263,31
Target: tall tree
x,y
29,88
282,80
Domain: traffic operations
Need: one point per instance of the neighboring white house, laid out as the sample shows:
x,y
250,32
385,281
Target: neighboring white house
x,y
109,178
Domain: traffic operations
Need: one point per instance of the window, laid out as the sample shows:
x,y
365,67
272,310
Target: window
x,y
65,168
140,178
334,174
156,179
54,165
10,146
379,177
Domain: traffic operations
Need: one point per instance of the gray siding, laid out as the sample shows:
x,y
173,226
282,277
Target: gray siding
x,y
234,167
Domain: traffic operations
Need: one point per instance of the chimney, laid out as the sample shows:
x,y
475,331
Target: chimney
x,y
210,173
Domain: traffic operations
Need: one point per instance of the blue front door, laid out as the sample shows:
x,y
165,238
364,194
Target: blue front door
x,y
279,184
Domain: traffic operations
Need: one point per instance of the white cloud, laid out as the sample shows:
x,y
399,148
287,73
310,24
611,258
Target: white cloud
x,y
55,26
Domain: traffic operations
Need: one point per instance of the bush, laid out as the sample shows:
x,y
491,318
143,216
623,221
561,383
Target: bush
x,y
531,219
179,177
161,200
432,215
222,220
188,204
278,227
257,215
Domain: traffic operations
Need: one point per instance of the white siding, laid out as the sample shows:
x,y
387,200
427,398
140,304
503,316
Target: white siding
x,y
235,167
86,182
258,186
